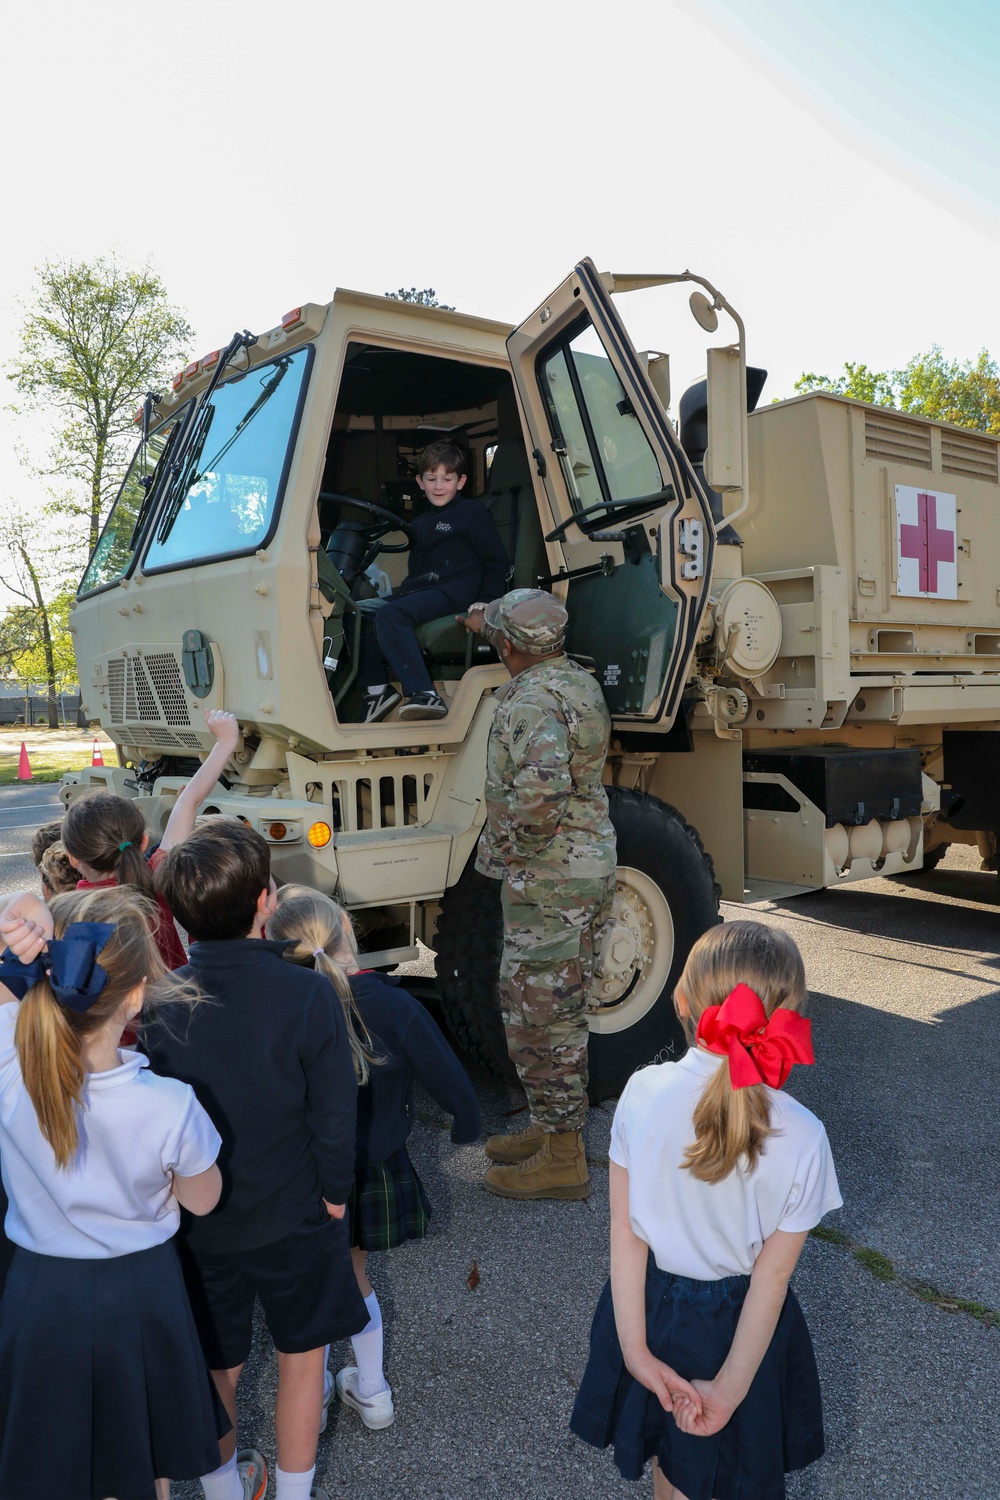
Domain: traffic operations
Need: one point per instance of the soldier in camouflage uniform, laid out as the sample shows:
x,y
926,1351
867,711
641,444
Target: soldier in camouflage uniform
x,y
549,838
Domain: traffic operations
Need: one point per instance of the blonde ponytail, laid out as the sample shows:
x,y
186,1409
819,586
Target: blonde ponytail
x,y
52,1068
731,1126
316,928
50,1036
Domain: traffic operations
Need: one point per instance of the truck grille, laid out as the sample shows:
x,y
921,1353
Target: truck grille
x,y
965,453
896,439
148,693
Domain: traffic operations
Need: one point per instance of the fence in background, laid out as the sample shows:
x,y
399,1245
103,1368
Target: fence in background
x,y
27,704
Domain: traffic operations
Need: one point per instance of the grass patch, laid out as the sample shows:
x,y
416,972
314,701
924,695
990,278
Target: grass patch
x,y
48,764
884,1269
877,1264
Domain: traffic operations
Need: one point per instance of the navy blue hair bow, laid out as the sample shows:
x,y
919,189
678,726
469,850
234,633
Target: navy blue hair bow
x,y
70,963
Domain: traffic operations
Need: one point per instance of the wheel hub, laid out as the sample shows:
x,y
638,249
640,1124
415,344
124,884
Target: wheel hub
x,y
636,954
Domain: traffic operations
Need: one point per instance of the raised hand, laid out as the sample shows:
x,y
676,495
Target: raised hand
x,y
225,727
704,1416
25,926
666,1385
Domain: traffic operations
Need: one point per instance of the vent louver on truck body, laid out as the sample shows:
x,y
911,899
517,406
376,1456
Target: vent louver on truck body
x,y
969,454
897,439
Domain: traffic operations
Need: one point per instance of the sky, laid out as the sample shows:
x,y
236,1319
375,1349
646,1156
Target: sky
x,y
832,168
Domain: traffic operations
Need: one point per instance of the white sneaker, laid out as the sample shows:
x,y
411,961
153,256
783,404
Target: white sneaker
x,y
375,1411
328,1390
251,1468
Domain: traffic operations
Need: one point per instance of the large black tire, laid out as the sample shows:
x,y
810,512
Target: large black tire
x,y
667,898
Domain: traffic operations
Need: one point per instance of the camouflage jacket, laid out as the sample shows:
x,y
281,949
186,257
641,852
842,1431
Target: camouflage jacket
x,y
546,810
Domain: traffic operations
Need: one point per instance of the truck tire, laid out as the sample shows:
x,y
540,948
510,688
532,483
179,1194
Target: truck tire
x,y
666,898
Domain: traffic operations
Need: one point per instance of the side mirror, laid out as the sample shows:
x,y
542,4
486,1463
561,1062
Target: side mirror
x,y
726,415
658,370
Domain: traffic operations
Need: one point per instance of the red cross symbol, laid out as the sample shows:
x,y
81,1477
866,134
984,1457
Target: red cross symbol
x,y
926,543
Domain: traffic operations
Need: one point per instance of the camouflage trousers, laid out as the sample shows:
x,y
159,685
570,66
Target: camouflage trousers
x,y
552,935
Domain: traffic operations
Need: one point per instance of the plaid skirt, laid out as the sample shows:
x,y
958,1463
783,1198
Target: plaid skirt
x,y
389,1205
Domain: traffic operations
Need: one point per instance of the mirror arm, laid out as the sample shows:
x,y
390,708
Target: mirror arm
x,y
634,283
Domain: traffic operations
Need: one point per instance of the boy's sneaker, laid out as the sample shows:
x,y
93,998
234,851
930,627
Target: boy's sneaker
x,y
375,706
426,705
375,1411
252,1470
328,1390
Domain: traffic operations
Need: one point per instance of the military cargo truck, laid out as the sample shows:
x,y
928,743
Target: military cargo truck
x,y
794,615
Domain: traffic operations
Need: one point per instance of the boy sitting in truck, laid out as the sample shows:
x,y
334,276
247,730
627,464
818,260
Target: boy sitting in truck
x,y
458,557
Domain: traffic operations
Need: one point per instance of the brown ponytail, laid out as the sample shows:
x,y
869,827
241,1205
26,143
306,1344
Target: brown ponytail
x,y
105,832
315,926
50,1036
732,1125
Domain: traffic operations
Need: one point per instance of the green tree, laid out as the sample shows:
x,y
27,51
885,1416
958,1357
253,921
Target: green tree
x,y
94,337
963,392
425,298
34,633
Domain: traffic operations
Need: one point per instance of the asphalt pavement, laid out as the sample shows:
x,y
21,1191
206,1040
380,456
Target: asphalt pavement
x,y
904,980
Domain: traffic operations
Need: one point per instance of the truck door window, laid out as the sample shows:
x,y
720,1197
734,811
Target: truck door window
x,y
121,535
602,448
226,500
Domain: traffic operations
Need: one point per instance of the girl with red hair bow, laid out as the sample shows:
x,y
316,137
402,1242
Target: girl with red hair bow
x,y
700,1358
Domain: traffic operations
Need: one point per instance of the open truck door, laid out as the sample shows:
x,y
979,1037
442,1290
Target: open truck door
x,y
630,522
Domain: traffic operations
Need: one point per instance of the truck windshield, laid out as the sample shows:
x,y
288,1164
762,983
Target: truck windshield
x,y
120,537
226,500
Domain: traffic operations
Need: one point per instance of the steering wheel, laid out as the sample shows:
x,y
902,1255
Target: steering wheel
x,y
383,524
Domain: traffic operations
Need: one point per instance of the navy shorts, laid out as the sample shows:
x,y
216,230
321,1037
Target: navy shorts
x,y
305,1282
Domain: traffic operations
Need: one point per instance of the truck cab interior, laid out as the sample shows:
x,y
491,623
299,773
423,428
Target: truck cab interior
x,y
391,405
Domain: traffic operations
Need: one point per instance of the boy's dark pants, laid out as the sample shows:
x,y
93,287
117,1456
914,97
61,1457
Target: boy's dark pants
x,y
389,648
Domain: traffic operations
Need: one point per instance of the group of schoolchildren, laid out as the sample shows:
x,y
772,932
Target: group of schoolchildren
x,y
270,1100
254,1147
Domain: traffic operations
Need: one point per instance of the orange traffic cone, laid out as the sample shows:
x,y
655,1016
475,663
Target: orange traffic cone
x,y
97,759
24,765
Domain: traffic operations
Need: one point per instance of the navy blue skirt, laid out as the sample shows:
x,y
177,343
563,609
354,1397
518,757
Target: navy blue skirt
x,y
690,1325
103,1384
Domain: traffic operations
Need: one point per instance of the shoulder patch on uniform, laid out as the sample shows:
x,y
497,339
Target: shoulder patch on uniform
x,y
518,730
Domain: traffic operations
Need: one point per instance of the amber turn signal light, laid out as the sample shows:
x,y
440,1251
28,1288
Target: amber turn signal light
x,y
320,835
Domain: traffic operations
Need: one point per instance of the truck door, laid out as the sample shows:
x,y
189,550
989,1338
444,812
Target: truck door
x,y
629,530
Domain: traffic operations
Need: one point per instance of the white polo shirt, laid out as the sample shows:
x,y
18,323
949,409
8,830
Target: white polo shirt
x,y
115,1197
710,1230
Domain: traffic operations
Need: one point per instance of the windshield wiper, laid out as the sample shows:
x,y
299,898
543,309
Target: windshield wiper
x,y
183,466
150,483
267,391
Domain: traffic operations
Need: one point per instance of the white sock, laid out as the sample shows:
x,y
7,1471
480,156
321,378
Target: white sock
x,y
224,1483
367,1346
375,689
293,1486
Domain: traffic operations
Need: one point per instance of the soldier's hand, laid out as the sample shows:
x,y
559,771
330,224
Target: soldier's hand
x,y
473,621
666,1385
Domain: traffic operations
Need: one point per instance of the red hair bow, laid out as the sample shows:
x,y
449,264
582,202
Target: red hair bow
x,y
759,1050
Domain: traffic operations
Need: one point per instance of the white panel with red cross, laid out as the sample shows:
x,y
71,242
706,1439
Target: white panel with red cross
x,y
926,543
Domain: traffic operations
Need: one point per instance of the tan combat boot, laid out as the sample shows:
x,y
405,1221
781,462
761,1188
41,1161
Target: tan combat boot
x,y
517,1147
558,1169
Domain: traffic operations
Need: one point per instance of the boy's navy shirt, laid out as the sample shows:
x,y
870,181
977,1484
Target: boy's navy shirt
x,y
268,1057
460,544
408,1042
